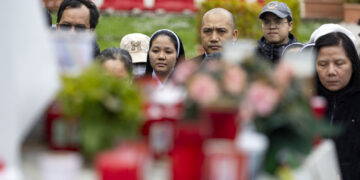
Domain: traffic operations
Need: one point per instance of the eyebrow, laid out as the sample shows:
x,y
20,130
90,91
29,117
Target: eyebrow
x,y
166,47
214,28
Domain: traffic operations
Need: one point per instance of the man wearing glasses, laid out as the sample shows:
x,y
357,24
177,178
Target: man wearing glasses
x,y
277,23
78,16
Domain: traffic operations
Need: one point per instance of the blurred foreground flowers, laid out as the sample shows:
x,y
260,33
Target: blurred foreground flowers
x,y
268,96
203,107
106,108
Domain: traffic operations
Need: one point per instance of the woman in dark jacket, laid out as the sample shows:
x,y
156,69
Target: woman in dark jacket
x,y
338,80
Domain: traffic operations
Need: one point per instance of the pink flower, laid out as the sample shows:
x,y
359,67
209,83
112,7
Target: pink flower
x,y
263,98
184,71
203,89
213,66
282,75
234,79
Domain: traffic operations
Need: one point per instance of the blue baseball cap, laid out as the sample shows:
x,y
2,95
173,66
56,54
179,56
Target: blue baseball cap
x,y
280,9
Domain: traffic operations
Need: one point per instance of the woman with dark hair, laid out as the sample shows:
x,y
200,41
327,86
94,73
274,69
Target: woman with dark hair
x,y
166,51
117,61
338,80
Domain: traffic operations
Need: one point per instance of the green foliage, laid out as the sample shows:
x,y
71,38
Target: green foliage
x,y
291,127
291,130
105,107
294,6
246,16
111,29
351,1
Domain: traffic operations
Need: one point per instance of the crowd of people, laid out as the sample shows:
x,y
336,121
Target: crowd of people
x,y
337,61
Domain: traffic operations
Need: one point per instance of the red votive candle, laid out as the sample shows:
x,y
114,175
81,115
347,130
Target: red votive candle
x,y
223,123
125,162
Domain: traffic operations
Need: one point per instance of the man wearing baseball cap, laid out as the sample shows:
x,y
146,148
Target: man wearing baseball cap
x,y
277,23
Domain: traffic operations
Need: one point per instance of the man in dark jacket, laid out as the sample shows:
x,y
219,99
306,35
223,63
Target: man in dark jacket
x,y
277,23
79,16
218,26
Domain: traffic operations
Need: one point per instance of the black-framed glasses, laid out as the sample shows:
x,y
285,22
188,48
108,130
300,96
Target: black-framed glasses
x,y
68,27
276,22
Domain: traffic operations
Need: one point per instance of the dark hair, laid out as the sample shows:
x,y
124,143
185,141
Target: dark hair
x,y
289,19
117,54
94,13
340,39
180,57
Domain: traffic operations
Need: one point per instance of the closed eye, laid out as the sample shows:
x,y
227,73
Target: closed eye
x,y
339,62
155,50
322,63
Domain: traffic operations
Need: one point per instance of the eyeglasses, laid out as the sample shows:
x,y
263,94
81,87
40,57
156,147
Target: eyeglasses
x,y
276,22
68,27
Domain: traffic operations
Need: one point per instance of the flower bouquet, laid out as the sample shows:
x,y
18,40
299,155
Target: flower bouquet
x,y
268,96
105,107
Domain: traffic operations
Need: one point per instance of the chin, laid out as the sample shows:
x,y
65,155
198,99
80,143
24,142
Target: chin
x,y
333,88
274,41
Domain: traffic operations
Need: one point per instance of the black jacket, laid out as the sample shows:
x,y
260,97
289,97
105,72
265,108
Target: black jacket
x,y
273,51
344,110
198,59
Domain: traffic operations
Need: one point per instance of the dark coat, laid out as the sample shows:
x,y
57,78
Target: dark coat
x,y
273,51
344,110
198,59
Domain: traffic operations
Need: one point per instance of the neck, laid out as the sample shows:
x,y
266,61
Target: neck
x,y
163,77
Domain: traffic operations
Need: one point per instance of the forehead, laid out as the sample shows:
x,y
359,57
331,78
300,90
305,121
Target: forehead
x,y
332,51
162,40
219,19
80,15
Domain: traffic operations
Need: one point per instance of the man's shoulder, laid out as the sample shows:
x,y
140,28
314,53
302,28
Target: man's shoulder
x,y
198,59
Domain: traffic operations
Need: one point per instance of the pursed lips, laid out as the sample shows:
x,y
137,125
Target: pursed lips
x,y
332,82
272,33
214,46
160,64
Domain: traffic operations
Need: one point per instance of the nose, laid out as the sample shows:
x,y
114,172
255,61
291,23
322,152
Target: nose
x,y
162,55
72,29
331,70
273,25
214,37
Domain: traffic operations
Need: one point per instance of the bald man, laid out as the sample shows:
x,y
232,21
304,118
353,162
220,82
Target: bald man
x,y
217,27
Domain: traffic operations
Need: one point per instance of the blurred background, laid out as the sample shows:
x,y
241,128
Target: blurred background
x,y
121,17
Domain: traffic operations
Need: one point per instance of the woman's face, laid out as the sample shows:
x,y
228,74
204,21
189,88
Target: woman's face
x,y
162,55
333,67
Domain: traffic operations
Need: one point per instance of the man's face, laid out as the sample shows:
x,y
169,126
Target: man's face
x,y
215,30
75,19
276,30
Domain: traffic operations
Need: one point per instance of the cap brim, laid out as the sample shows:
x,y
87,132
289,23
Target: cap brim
x,y
276,12
138,57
